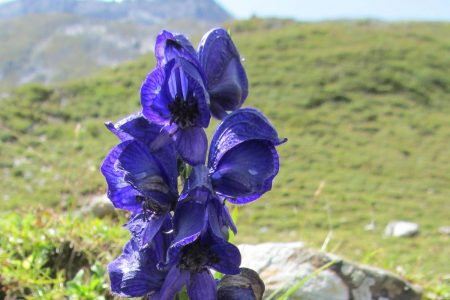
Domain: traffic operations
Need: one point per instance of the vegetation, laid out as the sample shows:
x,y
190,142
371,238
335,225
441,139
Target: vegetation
x,y
46,255
365,106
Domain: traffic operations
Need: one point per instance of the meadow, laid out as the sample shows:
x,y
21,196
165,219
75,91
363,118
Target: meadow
x,y
365,106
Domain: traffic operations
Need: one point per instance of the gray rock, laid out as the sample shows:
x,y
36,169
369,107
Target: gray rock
x,y
401,229
445,230
282,265
370,227
100,206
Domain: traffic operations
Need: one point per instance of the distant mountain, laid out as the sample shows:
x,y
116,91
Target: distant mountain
x,y
136,11
56,40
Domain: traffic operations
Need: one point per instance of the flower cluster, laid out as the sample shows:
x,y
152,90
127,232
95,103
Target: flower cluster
x,y
179,236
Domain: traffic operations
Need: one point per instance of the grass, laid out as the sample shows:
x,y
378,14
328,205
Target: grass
x,y
365,106
48,255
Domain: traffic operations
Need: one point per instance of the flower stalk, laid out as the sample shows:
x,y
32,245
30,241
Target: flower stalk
x,y
180,233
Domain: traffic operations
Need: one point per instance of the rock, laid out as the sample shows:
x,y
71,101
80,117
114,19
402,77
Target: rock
x,y
100,206
401,229
282,265
370,227
445,230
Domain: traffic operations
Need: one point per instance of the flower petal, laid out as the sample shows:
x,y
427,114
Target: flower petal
x,y
199,93
240,126
154,99
228,255
185,78
198,185
202,286
219,218
134,272
246,171
227,219
189,222
144,229
144,173
120,192
174,282
135,126
227,81
169,46
191,144
160,46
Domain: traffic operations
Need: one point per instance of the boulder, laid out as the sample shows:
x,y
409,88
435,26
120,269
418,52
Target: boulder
x,y
401,229
282,265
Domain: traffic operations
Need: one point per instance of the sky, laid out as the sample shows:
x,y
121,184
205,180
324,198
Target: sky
x,y
316,10
338,9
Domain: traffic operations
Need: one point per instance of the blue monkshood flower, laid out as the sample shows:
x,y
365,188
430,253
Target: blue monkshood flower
x,y
226,78
184,89
139,272
220,65
198,201
242,164
134,273
174,96
189,264
141,180
242,158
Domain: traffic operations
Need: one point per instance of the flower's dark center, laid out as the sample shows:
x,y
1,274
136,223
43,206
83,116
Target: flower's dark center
x,y
182,112
196,256
150,206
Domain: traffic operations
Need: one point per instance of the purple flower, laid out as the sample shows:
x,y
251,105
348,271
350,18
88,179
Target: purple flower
x,y
199,202
140,271
242,164
141,180
170,250
134,273
174,96
185,89
242,158
219,64
226,79
189,265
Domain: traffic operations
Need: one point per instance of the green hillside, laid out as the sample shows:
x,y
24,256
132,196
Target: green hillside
x,y
366,108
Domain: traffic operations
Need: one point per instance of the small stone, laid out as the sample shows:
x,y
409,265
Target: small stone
x,y
445,230
100,206
401,229
263,229
370,227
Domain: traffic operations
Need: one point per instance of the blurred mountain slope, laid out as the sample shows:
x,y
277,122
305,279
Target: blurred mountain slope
x,y
135,11
52,41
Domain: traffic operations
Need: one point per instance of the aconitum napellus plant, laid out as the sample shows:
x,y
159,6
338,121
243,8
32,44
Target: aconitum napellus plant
x,y
178,236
